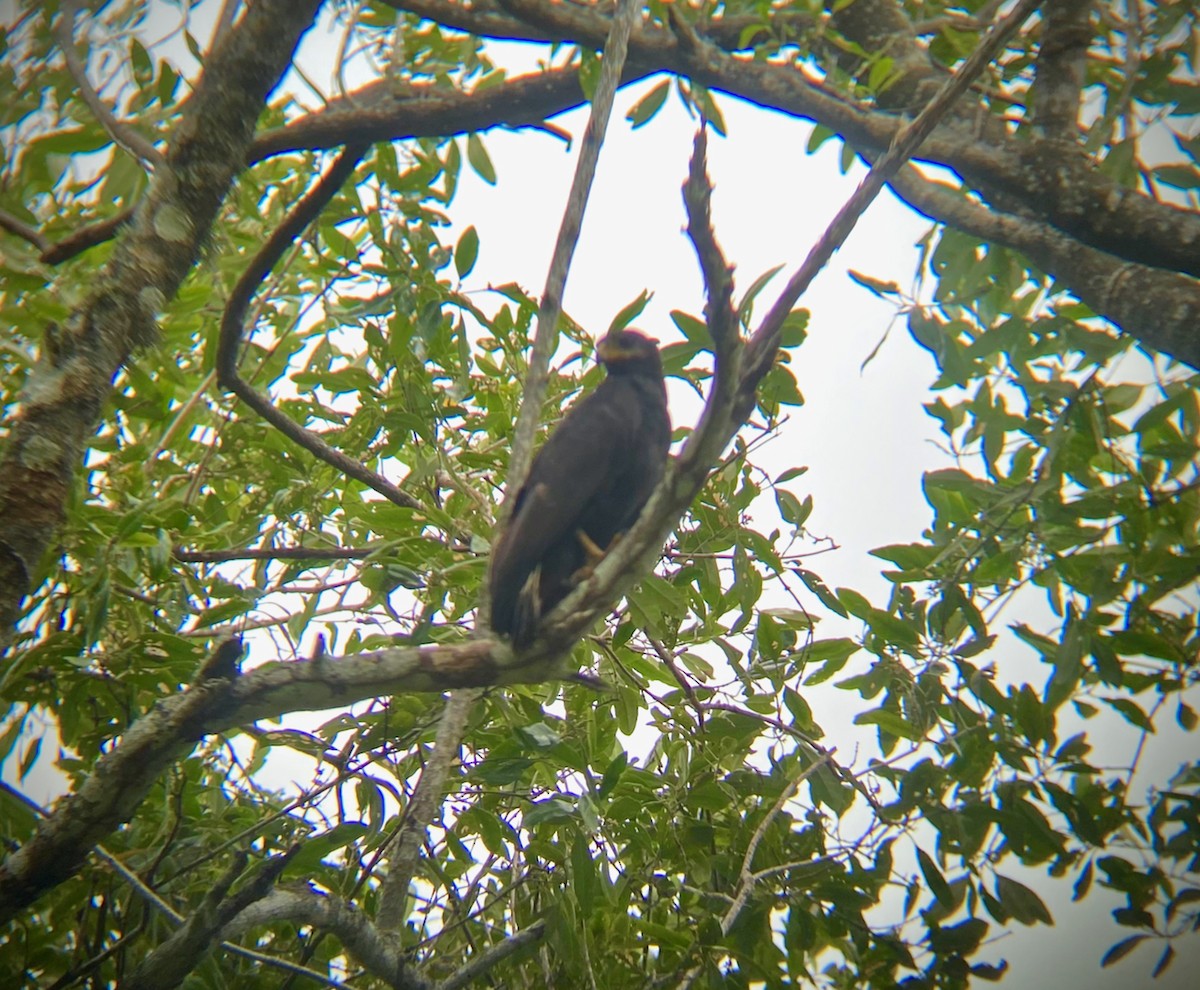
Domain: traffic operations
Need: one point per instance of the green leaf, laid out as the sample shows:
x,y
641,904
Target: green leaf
x,y
555,809
933,877
792,509
746,306
317,848
888,721
820,134
612,773
695,330
584,876
812,581
645,108
1021,902
1131,712
479,159
1122,949
466,252
855,604
540,735
961,939
630,311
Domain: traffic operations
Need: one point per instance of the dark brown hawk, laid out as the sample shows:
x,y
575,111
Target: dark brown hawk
x,y
587,485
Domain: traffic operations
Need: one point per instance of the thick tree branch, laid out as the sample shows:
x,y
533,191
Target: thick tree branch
x,y
382,955
1031,174
73,376
1069,193
122,777
1061,69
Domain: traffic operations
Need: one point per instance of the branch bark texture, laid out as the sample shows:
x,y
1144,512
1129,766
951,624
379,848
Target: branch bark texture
x,y
61,404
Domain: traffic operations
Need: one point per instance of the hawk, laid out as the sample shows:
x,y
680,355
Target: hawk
x,y
586,485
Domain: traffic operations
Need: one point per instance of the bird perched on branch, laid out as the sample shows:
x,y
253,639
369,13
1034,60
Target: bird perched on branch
x,y
586,486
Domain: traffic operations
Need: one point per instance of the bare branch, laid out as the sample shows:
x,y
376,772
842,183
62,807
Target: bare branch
x,y
123,135
717,272
546,338
228,377
23,230
272,553
494,955
168,964
1061,68
383,956
426,800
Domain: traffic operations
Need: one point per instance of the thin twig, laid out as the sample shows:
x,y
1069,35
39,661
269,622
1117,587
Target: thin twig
x,y
546,336
24,231
747,878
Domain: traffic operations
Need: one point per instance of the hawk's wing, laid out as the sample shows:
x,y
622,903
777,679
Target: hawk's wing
x,y
575,464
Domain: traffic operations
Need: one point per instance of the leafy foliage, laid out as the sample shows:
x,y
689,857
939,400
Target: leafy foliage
x,y
695,812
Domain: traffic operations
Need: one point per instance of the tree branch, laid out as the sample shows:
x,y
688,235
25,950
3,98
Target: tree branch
x,y
123,776
1061,69
1071,194
546,337
73,375
21,229
272,553
747,878
731,395
427,798
1031,173
382,955
299,217
493,955
765,342
1112,288
124,136
168,964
